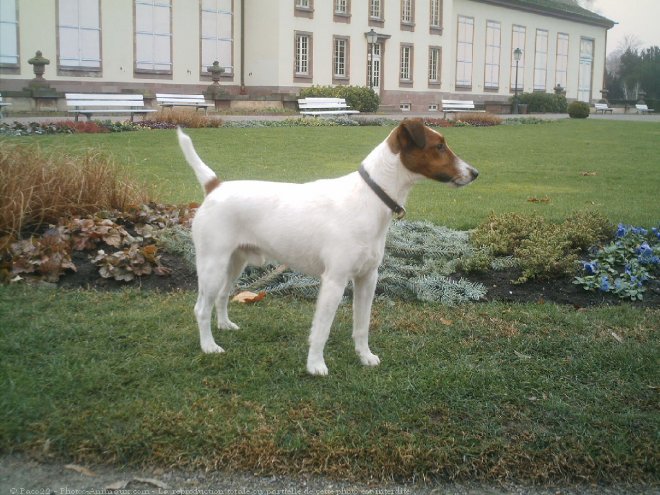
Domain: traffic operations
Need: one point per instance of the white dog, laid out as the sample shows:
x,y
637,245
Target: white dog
x,y
334,229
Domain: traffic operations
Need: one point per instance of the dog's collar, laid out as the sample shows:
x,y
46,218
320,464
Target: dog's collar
x,y
399,211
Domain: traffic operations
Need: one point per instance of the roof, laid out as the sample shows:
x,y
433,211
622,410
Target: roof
x,y
564,9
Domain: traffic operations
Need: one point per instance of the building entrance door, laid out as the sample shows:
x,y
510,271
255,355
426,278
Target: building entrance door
x,y
374,68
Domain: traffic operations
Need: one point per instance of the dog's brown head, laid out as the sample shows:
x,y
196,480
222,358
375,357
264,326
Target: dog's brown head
x,y
424,151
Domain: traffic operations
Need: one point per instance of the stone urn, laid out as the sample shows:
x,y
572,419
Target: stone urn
x,y
39,63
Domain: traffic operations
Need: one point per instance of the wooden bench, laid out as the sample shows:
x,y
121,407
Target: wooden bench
x,y
458,106
641,108
171,100
2,105
324,106
603,108
88,104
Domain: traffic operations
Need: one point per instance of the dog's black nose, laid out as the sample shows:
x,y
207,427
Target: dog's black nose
x,y
474,173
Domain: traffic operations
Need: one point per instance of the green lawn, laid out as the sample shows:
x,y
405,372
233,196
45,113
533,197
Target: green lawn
x,y
529,392
516,163
536,393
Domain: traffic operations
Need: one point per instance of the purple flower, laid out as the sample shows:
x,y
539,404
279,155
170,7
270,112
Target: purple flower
x,y
621,231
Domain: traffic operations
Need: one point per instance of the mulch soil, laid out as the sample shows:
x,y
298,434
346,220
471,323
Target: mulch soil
x,y
499,284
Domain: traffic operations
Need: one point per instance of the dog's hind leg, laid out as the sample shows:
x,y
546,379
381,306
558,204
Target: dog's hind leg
x,y
364,289
329,298
234,269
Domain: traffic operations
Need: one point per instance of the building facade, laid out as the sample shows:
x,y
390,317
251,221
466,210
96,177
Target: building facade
x,y
424,50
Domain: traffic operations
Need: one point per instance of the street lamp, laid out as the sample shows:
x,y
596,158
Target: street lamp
x,y
517,53
372,39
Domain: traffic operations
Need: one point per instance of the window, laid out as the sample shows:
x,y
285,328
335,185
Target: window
x,y
8,33
586,68
375,9
153,36
493,41
518,41
561,67
341,7
435,59
303,55
464,52
435,19
217,35
303,4
407,11
79,34
405,74
541,60
340,58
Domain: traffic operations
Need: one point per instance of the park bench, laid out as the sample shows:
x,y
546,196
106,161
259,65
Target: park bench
x,y
457,106
602,108
324,106
88,104
2,105
171,100
642,108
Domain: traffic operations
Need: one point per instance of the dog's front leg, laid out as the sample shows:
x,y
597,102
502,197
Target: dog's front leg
x,y
364,289
330,296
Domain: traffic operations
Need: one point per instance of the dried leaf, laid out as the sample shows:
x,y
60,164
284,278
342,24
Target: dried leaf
x,y
117,485
585,173
80,469
247,297
152,481
534,199
446,322
521,355
616,337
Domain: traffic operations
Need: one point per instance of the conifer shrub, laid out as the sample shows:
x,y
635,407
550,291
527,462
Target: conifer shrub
x,y
578,110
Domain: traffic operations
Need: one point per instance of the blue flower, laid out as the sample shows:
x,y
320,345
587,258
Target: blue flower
x,y
591,267
645,252
604,284
639,230
621,231
656,232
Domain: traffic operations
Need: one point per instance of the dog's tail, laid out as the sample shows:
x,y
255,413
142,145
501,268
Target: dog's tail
x,y
206,177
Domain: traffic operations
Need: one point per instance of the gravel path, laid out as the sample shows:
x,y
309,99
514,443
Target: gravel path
x,y
20,475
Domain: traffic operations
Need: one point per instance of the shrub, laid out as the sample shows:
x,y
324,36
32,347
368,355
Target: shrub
x,y
578,110
38,188
357,97
190,118
542,249
544,102
479,119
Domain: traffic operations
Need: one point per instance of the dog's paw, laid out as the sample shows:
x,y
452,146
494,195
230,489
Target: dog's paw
x,y
317,369
212,348
369,359
227,325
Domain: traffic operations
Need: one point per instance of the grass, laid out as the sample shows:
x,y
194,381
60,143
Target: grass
x,y
535,393
38,187
517,163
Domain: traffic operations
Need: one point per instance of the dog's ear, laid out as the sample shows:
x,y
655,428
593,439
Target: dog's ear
x,y
413,130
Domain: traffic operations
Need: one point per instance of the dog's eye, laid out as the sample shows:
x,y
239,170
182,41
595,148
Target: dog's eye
x,y
441,147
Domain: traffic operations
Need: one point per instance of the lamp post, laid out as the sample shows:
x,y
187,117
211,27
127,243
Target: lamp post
x,y
516,56
372,39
